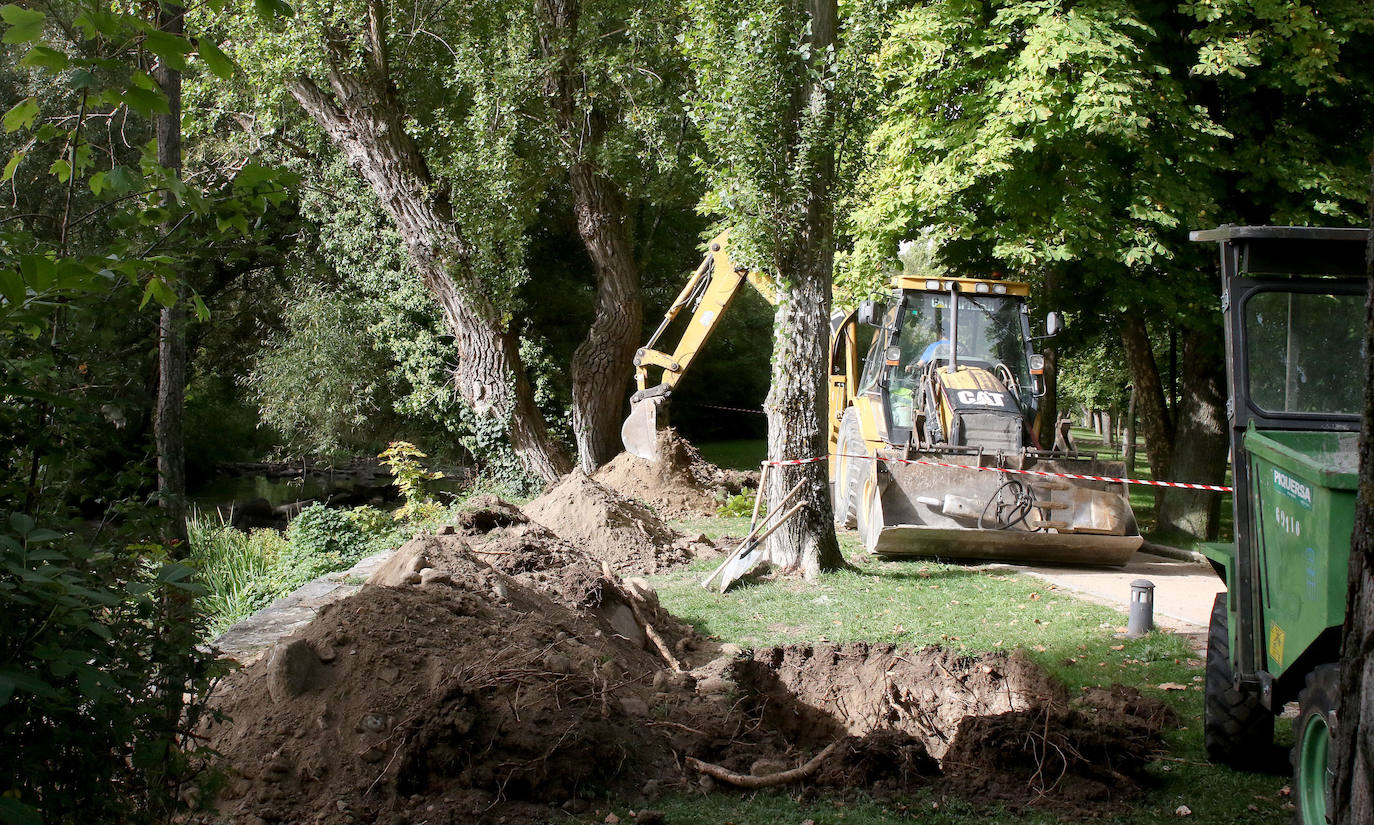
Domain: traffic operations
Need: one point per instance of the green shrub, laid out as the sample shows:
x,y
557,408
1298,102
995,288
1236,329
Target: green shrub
x,y
741,504
322,532
101,681
404,460
372,522
245,572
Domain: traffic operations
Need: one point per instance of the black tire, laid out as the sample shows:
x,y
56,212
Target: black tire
x,y
849,486
1316,718
1236,729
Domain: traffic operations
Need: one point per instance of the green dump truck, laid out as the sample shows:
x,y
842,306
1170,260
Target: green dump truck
x,y
1293,300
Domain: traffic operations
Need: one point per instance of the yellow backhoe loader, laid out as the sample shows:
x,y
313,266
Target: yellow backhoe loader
x,y
927,432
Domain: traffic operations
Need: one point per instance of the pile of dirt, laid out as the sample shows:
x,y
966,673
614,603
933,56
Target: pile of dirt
x,y
498,533
681,484
612,527
495,670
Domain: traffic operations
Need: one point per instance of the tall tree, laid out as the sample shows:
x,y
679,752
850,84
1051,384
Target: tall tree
x,y
769,116
603,361
1353,756
363,117
1082,139
555,104
171,339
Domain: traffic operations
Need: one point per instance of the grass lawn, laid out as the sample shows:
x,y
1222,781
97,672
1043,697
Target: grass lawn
x,y
921,603
741,454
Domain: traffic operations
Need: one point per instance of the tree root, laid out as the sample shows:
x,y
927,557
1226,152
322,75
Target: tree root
x,y
749,781
634,602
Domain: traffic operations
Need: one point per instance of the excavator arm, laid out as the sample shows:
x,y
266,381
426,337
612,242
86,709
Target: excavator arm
x,y
708,292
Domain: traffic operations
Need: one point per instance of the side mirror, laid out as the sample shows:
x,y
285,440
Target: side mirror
x,y
871,313
1053,323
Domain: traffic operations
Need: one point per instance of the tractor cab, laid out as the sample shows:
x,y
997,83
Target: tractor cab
x,y
1293,300
950,364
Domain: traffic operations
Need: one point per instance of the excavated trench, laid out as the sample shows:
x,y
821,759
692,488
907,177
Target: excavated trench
x,y
856,689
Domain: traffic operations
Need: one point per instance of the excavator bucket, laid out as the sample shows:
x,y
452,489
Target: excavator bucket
x,y
913,509
639,433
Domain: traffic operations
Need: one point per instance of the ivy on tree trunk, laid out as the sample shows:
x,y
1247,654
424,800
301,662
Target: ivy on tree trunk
x,y
796,403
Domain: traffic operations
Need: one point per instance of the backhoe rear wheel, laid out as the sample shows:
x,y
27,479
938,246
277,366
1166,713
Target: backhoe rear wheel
x,y
849,484
1313,776
1236,729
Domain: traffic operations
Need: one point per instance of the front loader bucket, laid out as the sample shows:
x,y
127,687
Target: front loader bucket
x,y
952,512
639,433
1006,545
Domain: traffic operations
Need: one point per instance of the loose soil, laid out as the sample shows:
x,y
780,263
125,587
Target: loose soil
x,y
681,484
612,526
503,669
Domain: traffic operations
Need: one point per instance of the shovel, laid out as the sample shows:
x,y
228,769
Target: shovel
x,y
743,559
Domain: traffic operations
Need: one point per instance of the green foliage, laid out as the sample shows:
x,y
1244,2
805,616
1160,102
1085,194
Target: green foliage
x,y
739,505
1033,135
1080,142
243,572
754,65
89,653
99,234
1094,377
319,383
323,538
404,460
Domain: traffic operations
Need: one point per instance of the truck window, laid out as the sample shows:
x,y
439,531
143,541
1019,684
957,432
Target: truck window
x,y
1303,352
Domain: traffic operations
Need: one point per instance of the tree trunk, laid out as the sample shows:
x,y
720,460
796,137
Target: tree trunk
x,y
1047,419
797,399
1201,438
1129,438
362,117
171,333
796,407
601,365
1155,424
1352,758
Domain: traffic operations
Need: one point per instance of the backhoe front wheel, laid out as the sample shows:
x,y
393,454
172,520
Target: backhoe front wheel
x,y
1236,729
1313,776
853,467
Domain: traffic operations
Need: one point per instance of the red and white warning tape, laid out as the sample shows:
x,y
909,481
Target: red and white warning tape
x,y
1215,488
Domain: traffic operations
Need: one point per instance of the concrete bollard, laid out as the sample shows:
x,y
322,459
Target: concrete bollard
x,y
1142,619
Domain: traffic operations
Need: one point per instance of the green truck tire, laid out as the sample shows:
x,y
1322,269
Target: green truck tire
x,y
1236,729
1313,777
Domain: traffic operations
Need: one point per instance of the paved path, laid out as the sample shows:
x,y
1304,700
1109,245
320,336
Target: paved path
x,y
1184,590
246,639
